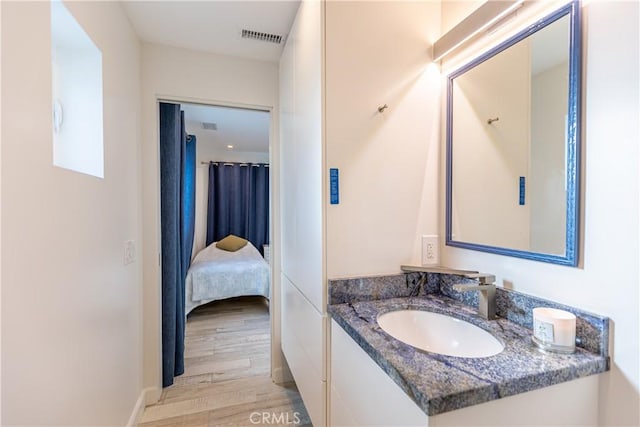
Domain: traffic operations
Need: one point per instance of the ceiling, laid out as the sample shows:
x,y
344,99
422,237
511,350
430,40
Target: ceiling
x,y
246,130
214,26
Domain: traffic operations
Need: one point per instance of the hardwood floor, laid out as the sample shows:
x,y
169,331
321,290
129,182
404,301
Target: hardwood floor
x,y
227,380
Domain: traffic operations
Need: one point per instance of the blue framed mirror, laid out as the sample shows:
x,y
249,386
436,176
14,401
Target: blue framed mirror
x,y
513,145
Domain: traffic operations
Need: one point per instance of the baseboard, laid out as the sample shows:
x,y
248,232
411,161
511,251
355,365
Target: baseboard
x,y
151,395
281,375
138,409
147,397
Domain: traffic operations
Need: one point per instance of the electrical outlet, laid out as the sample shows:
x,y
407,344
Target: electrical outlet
x,y
430,250
129,252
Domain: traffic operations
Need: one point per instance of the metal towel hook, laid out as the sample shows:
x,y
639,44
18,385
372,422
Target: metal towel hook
x,y
382,108
489,121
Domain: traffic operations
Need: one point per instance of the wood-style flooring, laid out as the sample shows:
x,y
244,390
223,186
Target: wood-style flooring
x,y
227,378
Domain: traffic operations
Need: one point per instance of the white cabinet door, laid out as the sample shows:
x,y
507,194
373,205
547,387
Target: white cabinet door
x,y
362,394
302,345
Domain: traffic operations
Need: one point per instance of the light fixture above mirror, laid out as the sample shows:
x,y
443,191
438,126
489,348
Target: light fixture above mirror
x,y
482,18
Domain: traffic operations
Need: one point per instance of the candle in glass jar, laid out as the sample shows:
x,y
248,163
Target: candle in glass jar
x,y
554,329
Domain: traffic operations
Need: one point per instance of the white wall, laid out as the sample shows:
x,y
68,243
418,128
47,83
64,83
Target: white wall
x,y
71,311
206,153
379,53
606,282
189,76
302,164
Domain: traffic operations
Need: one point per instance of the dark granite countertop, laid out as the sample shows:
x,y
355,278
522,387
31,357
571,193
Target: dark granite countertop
x,y
439,383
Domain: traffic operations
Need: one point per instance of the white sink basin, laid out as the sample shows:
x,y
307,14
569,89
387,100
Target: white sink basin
x,y
438,333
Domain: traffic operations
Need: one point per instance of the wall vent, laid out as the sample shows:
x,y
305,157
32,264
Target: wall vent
x,y
265,37
209,126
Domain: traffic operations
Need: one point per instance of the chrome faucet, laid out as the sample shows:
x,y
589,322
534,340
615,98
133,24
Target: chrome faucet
x,y
487,293
484,285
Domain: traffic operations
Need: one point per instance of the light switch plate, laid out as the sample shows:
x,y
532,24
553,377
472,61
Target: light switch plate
x,y
129,252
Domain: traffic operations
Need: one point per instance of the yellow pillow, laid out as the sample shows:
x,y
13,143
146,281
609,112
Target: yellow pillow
x,y
231,243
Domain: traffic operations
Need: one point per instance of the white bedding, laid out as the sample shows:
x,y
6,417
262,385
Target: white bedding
x,y
216,274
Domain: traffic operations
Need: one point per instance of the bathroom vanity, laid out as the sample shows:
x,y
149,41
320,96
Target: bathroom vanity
x,y
377,379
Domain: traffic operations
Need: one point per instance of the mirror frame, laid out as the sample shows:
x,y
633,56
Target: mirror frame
x,y
570,257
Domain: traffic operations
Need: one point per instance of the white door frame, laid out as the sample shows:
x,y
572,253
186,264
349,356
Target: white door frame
x,y
279,373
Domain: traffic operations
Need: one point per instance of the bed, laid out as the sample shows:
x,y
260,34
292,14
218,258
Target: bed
x,y
217,274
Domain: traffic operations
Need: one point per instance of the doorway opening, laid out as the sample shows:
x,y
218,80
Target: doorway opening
x,y
227,335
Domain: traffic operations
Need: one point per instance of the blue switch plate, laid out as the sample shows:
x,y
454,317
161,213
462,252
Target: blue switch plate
x,y
334,186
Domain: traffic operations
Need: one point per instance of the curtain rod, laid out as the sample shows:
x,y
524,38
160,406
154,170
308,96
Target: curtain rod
x,y
231,164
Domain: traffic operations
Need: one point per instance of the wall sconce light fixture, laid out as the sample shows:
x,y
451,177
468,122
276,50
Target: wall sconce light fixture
x,y
482,18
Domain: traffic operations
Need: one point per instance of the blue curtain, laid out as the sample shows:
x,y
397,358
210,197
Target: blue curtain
x,y
177,211
188,197
238,202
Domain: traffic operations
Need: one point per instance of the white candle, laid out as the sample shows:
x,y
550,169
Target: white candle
x,y
554,329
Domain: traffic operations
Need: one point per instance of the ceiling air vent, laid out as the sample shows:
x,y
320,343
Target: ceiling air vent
x,y
209,126
265,37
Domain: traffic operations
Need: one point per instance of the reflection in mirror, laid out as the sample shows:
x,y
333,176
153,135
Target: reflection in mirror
x,y
512,138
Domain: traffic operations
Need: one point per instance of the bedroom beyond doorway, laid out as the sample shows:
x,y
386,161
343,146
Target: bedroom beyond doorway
x,y
230,199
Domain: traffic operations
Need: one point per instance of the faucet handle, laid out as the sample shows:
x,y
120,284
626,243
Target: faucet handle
x,y
487,294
